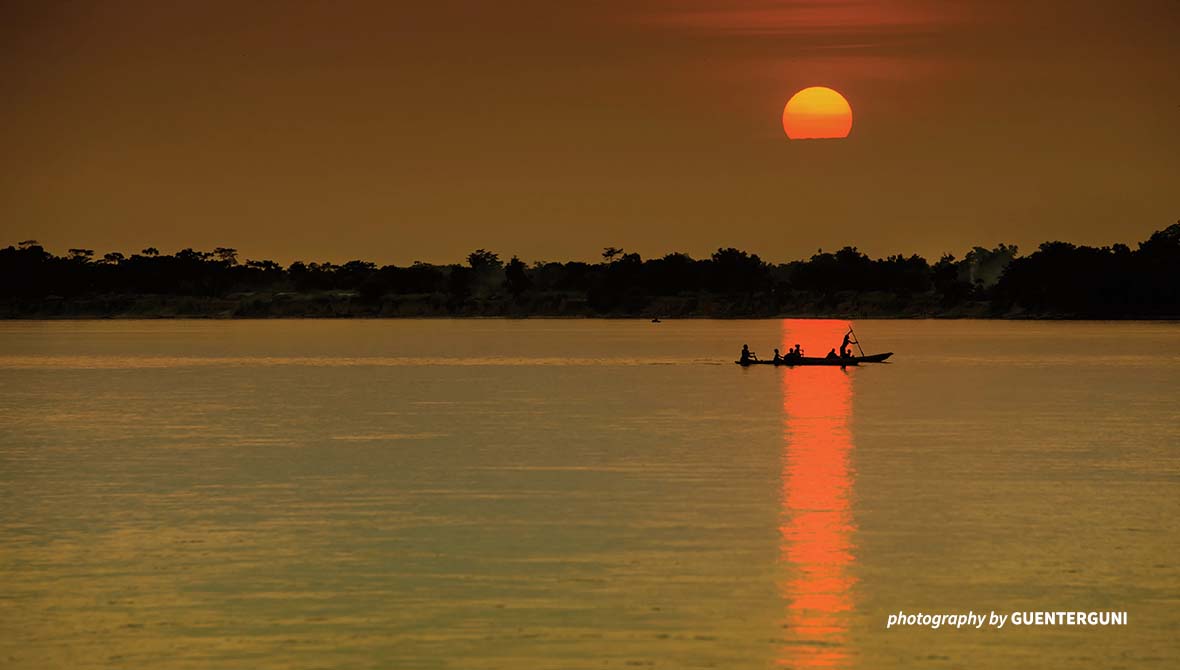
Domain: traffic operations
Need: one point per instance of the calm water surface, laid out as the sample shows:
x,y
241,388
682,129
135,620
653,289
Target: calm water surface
x,y
582,494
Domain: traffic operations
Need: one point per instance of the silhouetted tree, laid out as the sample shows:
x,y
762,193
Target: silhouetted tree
x,y
226,255
269,267
673,274
984,267
734,270
459,285
354,273
482,259
191,256
951,289
516,278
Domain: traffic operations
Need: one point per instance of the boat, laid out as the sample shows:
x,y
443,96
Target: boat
x,y
791,361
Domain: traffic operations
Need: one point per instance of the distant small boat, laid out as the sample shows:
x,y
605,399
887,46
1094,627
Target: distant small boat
x,y
656,320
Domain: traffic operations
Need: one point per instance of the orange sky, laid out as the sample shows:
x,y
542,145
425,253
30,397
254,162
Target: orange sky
x,y
421,130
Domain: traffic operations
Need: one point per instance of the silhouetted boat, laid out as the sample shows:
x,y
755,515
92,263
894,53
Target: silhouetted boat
x,y
815,360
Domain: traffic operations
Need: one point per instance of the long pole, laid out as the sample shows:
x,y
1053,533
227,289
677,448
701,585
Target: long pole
x,y
856,341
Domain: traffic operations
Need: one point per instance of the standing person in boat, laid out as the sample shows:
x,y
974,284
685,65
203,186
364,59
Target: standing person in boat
x,y
844,351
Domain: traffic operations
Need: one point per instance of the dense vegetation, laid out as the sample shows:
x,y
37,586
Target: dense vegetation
x,y
1059,279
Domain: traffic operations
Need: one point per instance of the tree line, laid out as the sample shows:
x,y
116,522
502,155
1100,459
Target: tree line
x,y
1058,279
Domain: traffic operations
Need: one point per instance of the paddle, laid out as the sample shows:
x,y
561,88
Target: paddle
x,y
856,341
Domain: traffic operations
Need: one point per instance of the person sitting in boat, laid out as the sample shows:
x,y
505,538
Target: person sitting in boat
x,y
798,350
777,358
747,355
832,353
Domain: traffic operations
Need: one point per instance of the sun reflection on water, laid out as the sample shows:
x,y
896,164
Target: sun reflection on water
x,y
816,525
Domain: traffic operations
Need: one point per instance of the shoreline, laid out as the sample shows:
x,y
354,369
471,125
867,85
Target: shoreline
x,y
705,306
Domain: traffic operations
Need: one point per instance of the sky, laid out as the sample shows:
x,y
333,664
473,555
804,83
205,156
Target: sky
x,y
419,131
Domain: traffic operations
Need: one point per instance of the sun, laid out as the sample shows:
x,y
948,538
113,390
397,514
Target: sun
x,y
817,112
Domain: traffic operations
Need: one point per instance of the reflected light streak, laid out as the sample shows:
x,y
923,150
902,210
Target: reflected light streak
x,y
817,525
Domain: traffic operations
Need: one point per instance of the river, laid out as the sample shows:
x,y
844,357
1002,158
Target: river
x,y
583,494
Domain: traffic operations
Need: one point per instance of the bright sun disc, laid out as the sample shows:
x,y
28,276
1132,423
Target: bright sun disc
x,y
817,112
